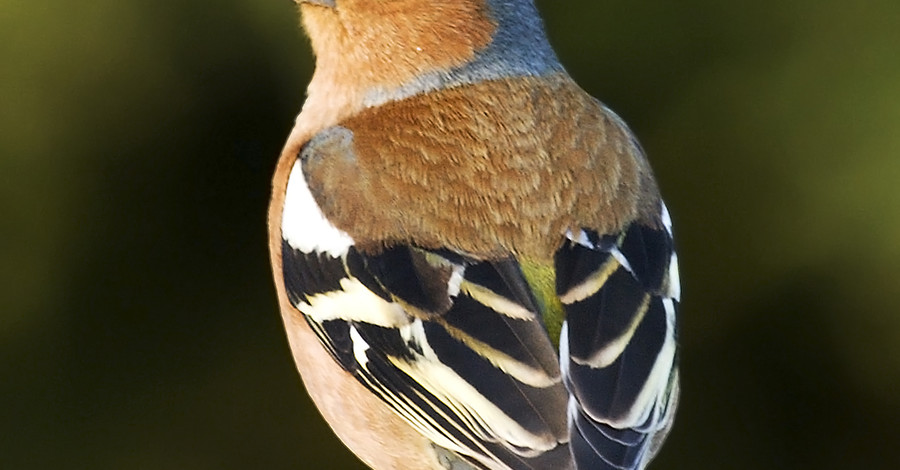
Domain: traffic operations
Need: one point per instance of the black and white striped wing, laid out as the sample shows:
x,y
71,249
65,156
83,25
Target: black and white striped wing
x,y
452,344
618,343
456,345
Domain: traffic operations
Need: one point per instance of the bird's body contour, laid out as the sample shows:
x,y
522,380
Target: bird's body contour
x,y
473,261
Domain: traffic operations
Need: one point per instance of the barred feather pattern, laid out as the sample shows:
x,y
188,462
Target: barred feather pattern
x,y
457,346
618,343
480,382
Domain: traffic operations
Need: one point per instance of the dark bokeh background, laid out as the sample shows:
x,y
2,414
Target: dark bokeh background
x,y
139,329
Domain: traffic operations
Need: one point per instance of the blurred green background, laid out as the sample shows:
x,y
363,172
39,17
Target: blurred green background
x,y
139,328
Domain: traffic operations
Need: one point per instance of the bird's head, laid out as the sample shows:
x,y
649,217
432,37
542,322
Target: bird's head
x,y
387,43
372,51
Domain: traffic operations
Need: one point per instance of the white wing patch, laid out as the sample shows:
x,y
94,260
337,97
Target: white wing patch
x,y
621,259
303,225
354,302
674,290
592,284
497,303
581,238
360,347
666,218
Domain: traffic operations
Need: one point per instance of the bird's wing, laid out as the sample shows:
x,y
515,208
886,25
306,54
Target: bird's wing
x,y
458,345
452,344
617,345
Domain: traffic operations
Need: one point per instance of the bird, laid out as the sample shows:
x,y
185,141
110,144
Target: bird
x,y
474,265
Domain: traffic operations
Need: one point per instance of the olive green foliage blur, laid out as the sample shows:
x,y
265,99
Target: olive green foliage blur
x,y
139,328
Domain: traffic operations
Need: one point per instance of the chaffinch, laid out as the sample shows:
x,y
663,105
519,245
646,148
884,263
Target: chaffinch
x,y
474,264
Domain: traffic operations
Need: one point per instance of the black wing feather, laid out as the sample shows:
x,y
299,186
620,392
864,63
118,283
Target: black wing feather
x,y
451,330
619,336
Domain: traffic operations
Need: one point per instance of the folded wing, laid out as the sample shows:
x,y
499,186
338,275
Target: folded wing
x,y
617,346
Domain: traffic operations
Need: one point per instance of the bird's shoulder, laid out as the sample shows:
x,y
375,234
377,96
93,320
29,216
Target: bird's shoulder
x,y
496,166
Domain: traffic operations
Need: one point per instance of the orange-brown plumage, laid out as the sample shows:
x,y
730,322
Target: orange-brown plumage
x,y
361,49
447,204
490,169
